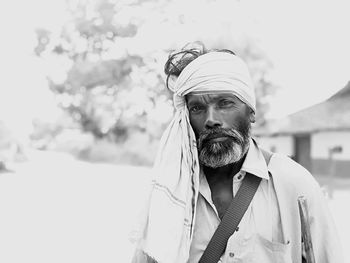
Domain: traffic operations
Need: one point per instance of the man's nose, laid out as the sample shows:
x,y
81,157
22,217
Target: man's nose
x,y
213,119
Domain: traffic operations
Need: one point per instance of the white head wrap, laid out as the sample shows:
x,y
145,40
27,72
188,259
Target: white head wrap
x,y
214,72
165,231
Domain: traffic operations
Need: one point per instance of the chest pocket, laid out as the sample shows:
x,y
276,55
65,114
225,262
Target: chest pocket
x,y
257,249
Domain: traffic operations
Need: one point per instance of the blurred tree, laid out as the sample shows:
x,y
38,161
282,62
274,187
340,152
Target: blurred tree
x,y
95,89
11,148
260,66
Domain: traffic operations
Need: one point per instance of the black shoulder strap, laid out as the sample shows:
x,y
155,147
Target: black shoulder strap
x,y
231,219
233,216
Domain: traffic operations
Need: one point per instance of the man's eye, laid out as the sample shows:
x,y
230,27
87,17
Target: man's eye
x,y
224,103
195,109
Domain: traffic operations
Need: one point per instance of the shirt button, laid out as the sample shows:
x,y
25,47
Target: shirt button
x,y
231,254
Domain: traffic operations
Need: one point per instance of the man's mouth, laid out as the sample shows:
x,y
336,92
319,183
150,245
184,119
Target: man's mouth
x,y
219,139
216,138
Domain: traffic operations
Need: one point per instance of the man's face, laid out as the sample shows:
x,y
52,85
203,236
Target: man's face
x,y
221,123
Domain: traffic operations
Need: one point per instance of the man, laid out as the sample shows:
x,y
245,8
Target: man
x,y
205,155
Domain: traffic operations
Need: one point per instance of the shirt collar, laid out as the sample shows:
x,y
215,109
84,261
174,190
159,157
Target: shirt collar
x,y
254,162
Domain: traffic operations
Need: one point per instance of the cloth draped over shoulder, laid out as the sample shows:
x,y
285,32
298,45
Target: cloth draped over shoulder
x,y
291,181
165,229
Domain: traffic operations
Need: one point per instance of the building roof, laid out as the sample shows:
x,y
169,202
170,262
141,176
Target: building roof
x,y
330,115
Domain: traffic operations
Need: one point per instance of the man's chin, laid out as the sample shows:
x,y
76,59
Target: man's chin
x,y
215,161
216,157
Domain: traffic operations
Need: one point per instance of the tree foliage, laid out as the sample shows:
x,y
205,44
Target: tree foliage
x,y
97,82
260,67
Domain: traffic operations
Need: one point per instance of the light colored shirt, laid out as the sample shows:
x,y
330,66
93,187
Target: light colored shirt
x,y
259,237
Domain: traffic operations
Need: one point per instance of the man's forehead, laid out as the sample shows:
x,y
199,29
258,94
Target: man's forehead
x,y
193,97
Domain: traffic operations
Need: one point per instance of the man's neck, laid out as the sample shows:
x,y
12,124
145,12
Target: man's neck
x,y
222,173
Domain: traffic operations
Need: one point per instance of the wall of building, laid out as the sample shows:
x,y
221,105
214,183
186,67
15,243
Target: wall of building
x,y
280,144
326,163
322,164
321,143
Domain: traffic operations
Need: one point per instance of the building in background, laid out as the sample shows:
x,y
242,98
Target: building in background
x,y
317,137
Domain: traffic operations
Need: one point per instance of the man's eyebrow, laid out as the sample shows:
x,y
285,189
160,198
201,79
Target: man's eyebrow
x,y
193,100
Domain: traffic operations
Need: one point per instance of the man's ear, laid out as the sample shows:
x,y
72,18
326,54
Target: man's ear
x,y
252,116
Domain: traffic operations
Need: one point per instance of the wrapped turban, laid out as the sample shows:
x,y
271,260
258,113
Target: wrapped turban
x,y
211,73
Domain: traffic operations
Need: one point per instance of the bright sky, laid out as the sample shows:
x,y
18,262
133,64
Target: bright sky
x,y
309,45
307,41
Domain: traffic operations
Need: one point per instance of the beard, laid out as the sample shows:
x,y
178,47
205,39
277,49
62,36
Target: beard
x,y
230,148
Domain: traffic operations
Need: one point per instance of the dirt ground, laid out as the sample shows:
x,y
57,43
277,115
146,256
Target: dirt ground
x,y
54,208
